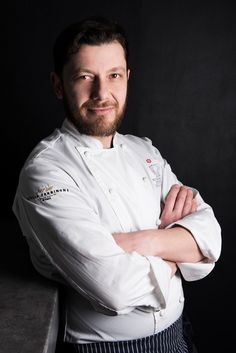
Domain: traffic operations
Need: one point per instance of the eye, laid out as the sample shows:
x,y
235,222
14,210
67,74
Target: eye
x,y
77,78
85,77
115,75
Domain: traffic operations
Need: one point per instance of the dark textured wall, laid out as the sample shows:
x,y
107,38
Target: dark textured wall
x,y
181,95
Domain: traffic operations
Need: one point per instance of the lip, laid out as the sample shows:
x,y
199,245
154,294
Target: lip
x,y
101,111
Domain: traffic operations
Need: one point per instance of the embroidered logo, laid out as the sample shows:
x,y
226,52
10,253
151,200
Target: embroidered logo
x,y
148,160
154,169
46,193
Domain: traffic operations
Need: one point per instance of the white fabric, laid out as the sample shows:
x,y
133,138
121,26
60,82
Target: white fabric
x,y
72,195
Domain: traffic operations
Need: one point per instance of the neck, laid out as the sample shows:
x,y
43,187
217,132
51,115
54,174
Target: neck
x,y
105,140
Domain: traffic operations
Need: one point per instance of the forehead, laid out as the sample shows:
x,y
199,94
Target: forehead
x,y
98,57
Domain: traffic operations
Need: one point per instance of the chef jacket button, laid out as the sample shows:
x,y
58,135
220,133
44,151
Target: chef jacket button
x,y
181,299
86,153
111,191
144,178
121,145
161,313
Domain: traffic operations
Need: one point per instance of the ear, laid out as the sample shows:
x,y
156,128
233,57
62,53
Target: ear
x,y
128,73
57,85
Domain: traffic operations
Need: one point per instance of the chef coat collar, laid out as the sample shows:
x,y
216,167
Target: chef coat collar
x,y
85,140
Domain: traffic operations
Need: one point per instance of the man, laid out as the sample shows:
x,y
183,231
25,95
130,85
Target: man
x,y
104,214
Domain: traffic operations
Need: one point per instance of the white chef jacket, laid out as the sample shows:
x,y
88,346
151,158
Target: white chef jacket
x,y
72,195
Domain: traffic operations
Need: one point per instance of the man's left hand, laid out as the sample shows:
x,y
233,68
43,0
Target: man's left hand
x,y
179,203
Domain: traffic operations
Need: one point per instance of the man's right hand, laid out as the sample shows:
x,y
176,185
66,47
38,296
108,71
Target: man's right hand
x,y
179,203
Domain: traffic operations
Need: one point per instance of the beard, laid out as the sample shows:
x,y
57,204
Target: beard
x,y
101,125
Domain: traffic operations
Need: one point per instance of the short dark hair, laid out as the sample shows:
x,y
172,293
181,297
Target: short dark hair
x,y
92,31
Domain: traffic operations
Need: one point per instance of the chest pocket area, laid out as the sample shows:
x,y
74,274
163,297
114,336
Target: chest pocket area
x,y
154,172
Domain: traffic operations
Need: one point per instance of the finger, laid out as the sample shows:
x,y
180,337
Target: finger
x,y
171,198
180,201
188,203
194,206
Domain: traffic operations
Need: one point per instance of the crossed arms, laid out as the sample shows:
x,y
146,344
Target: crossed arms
x,y
174,244
68,242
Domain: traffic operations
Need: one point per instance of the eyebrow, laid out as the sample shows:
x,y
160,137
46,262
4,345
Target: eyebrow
x,y
113,69
117,68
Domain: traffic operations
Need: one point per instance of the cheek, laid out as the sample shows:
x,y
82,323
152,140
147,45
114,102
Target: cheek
x,y
77,97
119,90
121,94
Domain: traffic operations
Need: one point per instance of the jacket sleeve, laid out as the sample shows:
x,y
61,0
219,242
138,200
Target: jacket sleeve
x,y
67,240
203,226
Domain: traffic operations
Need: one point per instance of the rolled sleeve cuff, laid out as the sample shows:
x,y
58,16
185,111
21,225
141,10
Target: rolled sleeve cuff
x,y
195,271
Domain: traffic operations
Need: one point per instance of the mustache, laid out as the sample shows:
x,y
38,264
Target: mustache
x,y
92,105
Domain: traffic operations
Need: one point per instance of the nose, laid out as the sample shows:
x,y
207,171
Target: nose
x,y
100,89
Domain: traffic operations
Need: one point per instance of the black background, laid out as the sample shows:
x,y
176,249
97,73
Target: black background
x,y
182,94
